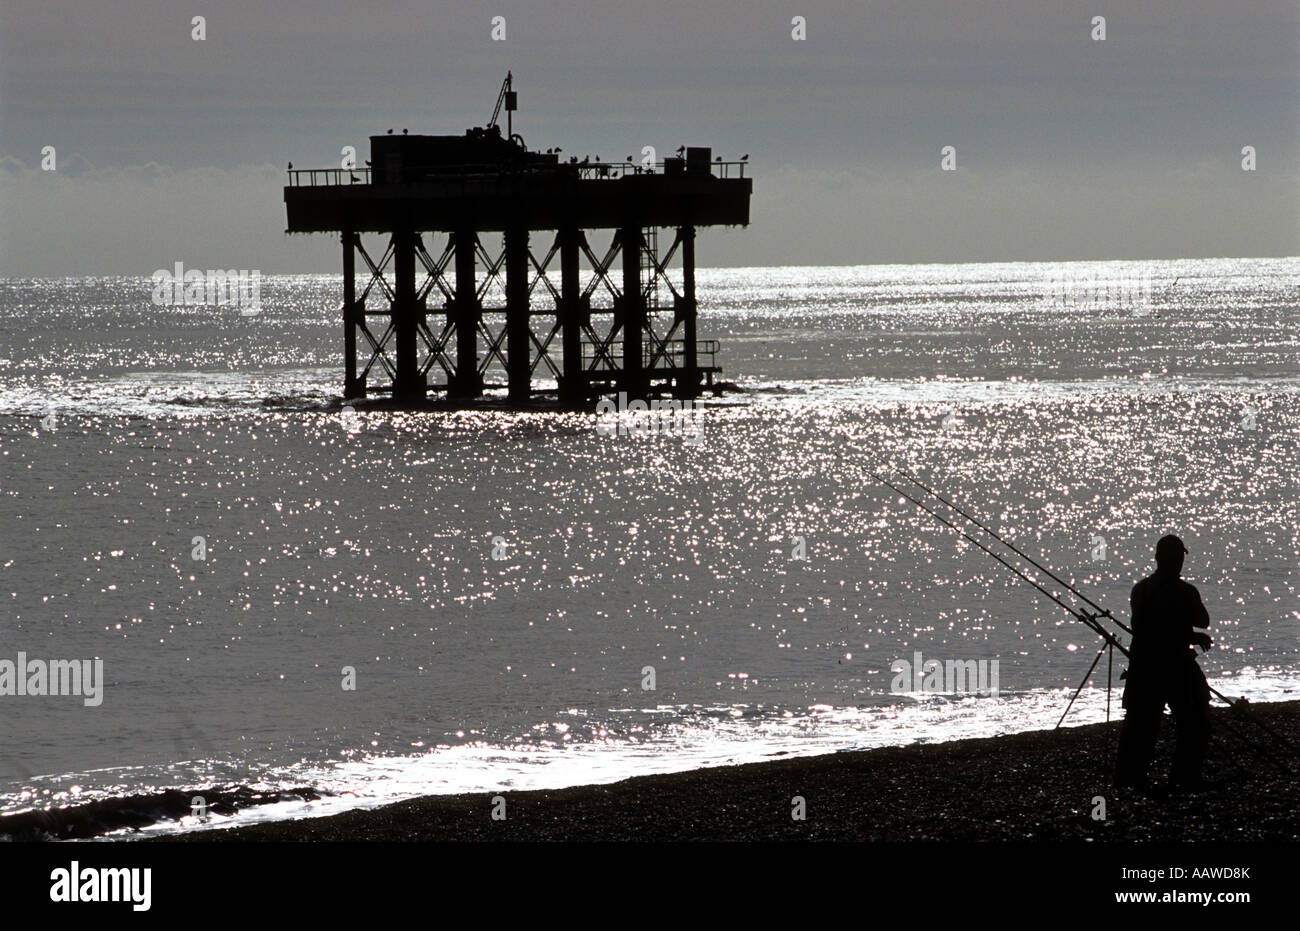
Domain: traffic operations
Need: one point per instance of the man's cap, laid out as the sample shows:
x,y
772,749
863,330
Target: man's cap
x,y
1169,545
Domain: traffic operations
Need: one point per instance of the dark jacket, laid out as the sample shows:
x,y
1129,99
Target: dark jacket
x,y
1162,663
1165,609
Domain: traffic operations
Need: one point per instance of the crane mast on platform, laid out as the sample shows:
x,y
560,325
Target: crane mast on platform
x,y
507,97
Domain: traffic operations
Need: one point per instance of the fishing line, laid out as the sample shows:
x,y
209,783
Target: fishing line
x,y
1081,616
1101,612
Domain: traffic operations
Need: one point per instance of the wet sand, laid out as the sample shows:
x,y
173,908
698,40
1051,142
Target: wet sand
x,y
1037,786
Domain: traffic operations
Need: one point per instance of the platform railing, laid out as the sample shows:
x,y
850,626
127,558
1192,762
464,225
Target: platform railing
x,y
602,170
586,170
325,177
706,351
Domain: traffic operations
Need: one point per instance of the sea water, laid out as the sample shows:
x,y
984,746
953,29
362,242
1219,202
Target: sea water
x,y
284,592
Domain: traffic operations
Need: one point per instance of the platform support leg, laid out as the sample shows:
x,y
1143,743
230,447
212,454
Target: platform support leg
x,y
410,383
518,337
689,383
571,385
353,387
468,314
633,379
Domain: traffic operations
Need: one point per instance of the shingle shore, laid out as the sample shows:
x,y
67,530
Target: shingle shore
x,y
1038,786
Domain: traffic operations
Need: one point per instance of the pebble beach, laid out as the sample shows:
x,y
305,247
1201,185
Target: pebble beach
x,y
1035,786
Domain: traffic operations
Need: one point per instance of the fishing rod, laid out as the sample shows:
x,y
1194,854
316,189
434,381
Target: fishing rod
x,y
1089,620
1083,617
1101,612
1110,643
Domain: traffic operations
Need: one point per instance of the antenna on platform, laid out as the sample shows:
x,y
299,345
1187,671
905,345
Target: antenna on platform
x,y
510,100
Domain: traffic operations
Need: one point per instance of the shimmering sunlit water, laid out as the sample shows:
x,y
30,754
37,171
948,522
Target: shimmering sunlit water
x,y
1081,432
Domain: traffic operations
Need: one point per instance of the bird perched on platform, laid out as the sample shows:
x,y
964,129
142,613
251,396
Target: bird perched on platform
x,y
390,132
681,149
403,130
745,157
291,166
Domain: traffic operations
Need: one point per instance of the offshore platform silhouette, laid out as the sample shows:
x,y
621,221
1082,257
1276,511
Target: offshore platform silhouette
x,y
436,336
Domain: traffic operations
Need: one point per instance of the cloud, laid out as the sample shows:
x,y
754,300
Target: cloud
x,y
1121,148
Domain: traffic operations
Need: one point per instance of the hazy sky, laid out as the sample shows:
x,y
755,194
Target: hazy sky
x,y
170,149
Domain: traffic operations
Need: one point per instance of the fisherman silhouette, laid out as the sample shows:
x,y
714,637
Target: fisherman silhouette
x,y
1163,671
